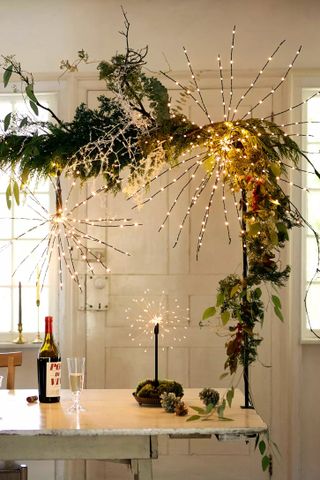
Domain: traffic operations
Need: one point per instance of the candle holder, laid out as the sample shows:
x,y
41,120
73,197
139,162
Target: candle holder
x,y
38,338
20,339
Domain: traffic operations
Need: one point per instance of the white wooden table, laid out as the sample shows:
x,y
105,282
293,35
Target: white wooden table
x,y
113,427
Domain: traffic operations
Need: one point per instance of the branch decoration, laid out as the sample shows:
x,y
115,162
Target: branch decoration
x,y
136,135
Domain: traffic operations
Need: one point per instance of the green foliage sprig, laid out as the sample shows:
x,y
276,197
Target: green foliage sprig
x,y
213,410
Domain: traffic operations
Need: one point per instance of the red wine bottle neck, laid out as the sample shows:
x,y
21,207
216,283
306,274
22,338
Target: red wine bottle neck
x,y
48,326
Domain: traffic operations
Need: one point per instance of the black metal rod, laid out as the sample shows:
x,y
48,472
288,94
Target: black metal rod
x,y
156,354
247,399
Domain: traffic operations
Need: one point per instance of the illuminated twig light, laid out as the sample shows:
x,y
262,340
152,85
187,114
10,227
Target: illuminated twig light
x,y
228,150
67,235
148,313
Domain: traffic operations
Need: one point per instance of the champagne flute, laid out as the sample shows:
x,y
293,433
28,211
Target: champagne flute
x,y
76,379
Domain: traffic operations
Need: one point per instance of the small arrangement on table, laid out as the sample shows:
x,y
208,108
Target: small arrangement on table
x,y
149,392
172,403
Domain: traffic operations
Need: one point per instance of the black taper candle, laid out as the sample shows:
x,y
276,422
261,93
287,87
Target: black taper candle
x,y
156,354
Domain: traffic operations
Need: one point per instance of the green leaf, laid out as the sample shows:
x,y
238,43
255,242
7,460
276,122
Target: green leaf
x,y
276,301
225,317
209,408
193,417
274,238
6,121
262,447
265,462
23,122
7,74
282,228
257,292
24,177
34,107
199,410
209,312
220,299
234,290
8,196
30,93
16,193
223,375
221,409
276,169
254,228
278,312
229,396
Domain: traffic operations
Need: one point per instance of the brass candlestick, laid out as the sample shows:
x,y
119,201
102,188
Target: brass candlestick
x,y
38,338
20,339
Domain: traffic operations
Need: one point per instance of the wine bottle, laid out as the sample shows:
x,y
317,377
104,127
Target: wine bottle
x,y
49,367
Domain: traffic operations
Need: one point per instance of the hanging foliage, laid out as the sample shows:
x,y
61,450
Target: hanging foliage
x,y
137,128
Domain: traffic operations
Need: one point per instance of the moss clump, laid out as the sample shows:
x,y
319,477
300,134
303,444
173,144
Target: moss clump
x,y
150,389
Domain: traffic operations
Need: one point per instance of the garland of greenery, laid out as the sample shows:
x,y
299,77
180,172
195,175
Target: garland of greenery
x,y
137,128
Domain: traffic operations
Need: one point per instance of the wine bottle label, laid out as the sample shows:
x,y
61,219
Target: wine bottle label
x,y
53,379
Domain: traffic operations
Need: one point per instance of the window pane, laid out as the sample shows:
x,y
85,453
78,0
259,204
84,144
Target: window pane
x,y
313,305
313,108
29,308
17,221
5,219
27,255
5,262
313,207
312,180
312,256
30,216
5,302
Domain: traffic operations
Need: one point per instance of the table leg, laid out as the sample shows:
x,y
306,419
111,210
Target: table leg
x,y
142,469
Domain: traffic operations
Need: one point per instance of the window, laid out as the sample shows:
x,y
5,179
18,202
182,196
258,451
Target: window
x,y
16,253
311,211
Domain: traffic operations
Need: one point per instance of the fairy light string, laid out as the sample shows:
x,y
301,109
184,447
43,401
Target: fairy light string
x,y
273,90
231,72
194,80
253,83
65,236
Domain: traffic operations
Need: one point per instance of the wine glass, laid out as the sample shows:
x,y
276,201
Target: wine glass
x,y
76,379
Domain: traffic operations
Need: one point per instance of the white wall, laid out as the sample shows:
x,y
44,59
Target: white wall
x,y
41,33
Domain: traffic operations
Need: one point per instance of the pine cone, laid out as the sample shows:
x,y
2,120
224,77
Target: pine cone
x,y
181,409
209,395
168,402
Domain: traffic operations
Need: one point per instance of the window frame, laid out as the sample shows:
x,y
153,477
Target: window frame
x,y
304,85
55,91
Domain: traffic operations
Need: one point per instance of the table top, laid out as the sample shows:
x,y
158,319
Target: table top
x,y
115,412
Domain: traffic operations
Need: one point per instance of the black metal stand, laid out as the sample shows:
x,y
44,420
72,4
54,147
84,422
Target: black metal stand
x,y
247,399
156,354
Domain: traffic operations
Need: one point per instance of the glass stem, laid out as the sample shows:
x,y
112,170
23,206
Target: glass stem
x,y
76,400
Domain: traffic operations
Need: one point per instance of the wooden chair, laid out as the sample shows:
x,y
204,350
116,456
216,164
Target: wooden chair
x,y
11,470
